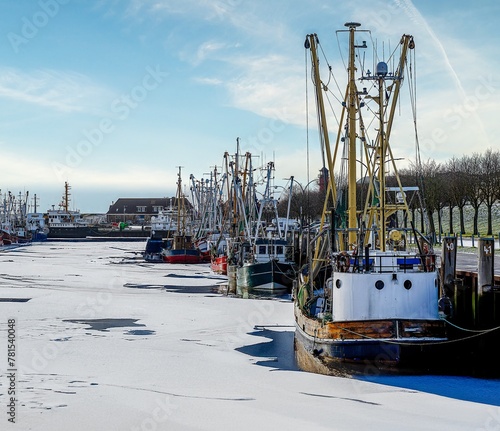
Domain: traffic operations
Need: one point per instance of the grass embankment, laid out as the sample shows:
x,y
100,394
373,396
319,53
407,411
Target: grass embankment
x,y
467,237
469,221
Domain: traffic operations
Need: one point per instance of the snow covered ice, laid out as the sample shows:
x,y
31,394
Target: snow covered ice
x,y
106,341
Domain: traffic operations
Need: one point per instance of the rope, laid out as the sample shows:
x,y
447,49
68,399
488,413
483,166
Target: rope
x,y
482,332
391,342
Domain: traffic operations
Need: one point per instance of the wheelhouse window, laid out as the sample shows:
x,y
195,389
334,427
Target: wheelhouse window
x,y
262,249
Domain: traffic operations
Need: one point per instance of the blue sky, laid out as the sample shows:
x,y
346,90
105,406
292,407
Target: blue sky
x,y
113,95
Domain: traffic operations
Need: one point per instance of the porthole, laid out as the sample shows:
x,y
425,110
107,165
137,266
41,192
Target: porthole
x,y
407,284
338,283
379,284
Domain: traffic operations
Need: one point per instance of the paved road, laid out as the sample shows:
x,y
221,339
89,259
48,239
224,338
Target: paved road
x,y
468,261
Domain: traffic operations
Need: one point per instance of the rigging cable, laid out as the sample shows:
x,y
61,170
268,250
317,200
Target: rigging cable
x,y
331,75
412,85
307,117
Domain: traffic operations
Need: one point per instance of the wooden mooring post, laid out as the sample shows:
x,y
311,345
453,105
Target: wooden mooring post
x,y
449,266
484,315
231,279
475,296
476,302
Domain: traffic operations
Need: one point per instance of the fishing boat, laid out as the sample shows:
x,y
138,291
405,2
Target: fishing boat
x,y
163,224
218,264
268,270
203,245
366,298
7,235
35,225
181,248
17,226
266,257
162,228
66,223
218,253
208,219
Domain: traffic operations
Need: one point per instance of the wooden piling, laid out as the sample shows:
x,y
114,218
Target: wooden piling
x,y
449,266
485,282
477,301
231,277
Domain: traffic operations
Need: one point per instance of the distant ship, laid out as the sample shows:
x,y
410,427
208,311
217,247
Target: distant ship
x,y
64,223
35,227
162,228
182,248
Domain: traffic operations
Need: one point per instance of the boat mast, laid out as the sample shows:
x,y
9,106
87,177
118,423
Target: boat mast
x,y
382,150
387,100
351,115
180,202
65,199
311,43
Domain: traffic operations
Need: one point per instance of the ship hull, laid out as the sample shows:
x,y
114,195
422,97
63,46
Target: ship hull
x,y
219,265
39,236
100,232
69,232
154,250
182,256
389,345
265,277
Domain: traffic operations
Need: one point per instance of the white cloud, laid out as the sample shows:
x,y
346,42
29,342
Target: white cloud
x,y
61,91
209,81
205,51
267,86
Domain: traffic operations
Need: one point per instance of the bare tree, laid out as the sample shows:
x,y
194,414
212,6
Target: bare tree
x,y
431,179
409,178
472,167
456,179
489,171
306,204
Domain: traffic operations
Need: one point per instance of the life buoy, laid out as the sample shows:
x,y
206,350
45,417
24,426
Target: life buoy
x,y
430,262
343,262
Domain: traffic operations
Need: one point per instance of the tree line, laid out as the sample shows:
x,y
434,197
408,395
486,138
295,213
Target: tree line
x,y
468,180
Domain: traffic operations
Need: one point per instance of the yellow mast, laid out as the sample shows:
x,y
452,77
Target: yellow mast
x,y
352,105
378,210
311,42
381,158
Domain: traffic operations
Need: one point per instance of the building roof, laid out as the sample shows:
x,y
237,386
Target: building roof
x,y
148,205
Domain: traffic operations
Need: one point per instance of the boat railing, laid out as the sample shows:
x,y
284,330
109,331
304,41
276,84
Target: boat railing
x,y
388,263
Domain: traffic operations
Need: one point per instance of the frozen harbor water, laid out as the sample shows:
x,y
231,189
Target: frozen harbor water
x,y
106,341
